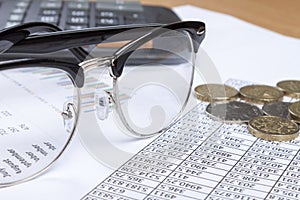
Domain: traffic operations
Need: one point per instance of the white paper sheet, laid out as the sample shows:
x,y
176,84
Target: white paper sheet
x,y
245,51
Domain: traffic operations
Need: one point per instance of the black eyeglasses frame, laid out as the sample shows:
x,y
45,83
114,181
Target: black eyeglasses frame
x,y
31,38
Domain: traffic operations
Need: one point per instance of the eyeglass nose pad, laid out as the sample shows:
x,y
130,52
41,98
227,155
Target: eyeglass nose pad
x,y
102,102
68,114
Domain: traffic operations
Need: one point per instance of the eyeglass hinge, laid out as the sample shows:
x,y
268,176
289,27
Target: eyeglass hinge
x,y
200,31
96,62
111,73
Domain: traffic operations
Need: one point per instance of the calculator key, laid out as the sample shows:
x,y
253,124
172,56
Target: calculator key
x,y
133,16
48,19
51,4
78,13
16,17
49,12
18,10
77,20
79,5
107,14
22,4
107,21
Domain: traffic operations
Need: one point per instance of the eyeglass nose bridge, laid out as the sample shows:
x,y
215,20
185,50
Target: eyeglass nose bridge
x,y
103,99
98,63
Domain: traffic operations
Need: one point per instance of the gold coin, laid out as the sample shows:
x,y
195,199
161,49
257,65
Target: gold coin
x,y
290,88
273,128
261,94
294,110
216,92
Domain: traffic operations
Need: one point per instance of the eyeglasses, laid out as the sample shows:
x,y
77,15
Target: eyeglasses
x,y
146,82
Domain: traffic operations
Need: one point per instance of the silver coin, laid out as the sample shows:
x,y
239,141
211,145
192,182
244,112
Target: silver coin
x,y
234,111
279,109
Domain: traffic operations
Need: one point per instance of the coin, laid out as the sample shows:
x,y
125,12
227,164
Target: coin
x,y
273,128
294,119
290,88
216,92
233,111
279,109
294,111
261,94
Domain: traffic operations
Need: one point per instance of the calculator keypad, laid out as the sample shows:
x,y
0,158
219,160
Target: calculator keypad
x,y
76,14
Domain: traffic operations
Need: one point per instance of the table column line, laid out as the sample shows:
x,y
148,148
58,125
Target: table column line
x,y
282,173
231,168
185,159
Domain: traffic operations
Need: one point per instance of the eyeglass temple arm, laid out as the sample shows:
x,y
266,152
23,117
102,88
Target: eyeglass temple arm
x,y
51,42
55,41
13,35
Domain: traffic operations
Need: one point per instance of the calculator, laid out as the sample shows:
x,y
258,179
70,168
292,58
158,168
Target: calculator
x,y
79,14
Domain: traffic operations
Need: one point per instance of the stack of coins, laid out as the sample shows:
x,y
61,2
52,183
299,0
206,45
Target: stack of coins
x,y
276,121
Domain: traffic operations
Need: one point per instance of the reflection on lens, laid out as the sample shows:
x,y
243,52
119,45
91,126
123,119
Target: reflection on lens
x,y
156,81
37,117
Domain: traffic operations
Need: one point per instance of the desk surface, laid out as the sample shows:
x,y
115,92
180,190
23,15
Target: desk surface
x,y
277,15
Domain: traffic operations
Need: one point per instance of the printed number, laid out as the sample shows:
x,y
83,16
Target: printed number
x,y
50,146
13,129
24,127
3,132
5,113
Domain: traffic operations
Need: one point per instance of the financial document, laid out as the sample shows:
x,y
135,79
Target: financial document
x,y
201,158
